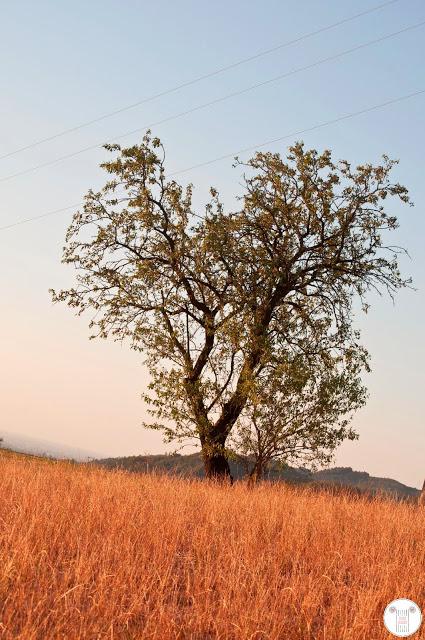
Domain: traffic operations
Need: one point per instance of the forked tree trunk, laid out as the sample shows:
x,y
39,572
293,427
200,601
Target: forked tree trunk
x,y
216,466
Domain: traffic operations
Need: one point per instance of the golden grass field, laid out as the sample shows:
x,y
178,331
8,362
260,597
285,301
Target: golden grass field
x,y
89,553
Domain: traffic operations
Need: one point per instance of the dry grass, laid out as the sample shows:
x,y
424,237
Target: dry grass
x,y
87,553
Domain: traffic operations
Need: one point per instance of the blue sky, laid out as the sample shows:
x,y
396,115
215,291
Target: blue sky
x,y
66,63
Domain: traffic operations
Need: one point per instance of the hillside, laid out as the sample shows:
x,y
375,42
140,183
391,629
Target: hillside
x,y
38,446
191,466
90,553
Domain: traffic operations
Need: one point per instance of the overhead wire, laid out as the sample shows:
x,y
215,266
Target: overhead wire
x,y
244,150
200,78
215,101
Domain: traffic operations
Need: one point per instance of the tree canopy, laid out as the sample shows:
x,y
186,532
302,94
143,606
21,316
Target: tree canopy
x,y
226,306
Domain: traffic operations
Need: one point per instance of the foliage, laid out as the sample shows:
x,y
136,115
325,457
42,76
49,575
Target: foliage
x,y
300,411
220,302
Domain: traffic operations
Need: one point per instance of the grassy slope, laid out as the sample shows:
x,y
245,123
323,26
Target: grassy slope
x,y
88,553
19,455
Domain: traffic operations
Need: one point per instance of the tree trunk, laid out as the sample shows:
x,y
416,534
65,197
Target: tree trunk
x,y
421,499
216,466
256,474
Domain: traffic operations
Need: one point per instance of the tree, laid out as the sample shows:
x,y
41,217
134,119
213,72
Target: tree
x,y
212,300
300,410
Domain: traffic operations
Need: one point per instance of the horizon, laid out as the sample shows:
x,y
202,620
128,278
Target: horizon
x,y
56,384
28,444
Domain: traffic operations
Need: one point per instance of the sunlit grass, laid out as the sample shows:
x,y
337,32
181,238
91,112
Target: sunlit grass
x,y
88,553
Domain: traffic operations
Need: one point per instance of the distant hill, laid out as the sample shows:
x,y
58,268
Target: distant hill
x,y
37,446
192,466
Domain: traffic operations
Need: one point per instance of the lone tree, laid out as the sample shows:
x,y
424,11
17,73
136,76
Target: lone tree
x,y
214,301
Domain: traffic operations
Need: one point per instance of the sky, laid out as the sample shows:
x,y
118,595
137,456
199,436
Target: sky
x,y
63,64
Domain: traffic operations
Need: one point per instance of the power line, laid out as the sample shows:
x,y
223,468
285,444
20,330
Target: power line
x,y
216,101
246,149
200,78
297,133
43,215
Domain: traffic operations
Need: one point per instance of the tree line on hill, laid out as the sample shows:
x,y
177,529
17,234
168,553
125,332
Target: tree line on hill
x,y
338,478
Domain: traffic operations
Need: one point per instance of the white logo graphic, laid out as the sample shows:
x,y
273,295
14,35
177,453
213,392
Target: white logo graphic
x,y
402,617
